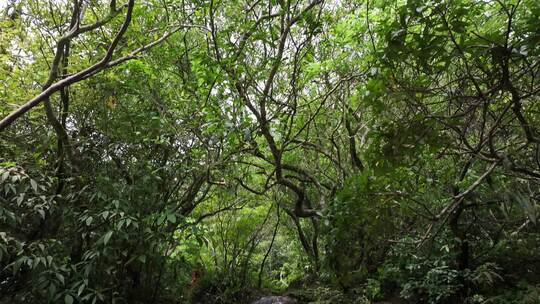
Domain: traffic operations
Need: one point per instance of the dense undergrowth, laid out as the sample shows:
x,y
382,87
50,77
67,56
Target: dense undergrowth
x,y
212,151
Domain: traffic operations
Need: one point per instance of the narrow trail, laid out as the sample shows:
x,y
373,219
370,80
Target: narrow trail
x,y
290,300
276,300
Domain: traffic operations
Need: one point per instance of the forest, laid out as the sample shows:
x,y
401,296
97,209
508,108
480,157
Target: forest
x,y
270,151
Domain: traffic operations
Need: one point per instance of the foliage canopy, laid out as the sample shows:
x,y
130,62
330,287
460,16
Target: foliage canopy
x,y
211,151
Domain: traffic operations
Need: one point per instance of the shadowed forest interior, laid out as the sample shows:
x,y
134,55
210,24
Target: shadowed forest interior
x,y
270,151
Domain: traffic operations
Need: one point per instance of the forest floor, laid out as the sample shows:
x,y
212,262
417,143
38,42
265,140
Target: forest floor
x,y
321,294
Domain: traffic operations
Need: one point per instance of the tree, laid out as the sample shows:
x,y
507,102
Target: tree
x,y
375,148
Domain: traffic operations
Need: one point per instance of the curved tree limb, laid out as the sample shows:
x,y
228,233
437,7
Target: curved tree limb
x,y
106,62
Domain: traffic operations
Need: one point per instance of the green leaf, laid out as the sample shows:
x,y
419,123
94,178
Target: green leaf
x,y
34,184
80,290
171,218
107,237
142,258
4,176
160,219
20,199
60,278
68,299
